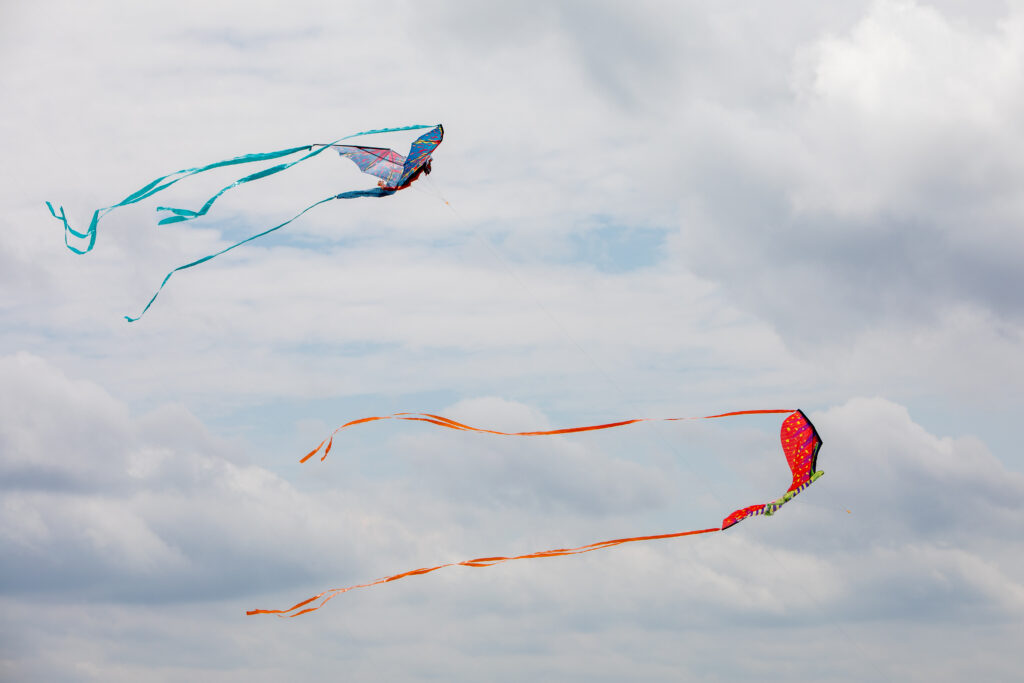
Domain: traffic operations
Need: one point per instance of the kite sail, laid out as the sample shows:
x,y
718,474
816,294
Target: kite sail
x,y
800,443
396,172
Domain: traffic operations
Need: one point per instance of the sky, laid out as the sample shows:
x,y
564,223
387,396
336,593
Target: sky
x,y
638,210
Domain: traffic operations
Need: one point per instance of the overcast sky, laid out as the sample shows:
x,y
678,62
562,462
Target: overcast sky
x,y
654,210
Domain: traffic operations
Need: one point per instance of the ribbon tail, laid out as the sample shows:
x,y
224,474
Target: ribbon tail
x,y
480,562
376,192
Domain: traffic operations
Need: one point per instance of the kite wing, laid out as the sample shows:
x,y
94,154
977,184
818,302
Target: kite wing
x,y
420,153
800,442
386,164
395,171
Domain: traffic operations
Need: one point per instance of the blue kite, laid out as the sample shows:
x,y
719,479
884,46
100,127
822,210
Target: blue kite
x,y
396,172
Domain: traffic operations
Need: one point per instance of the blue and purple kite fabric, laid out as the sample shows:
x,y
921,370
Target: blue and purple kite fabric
x,y
395,171
800,443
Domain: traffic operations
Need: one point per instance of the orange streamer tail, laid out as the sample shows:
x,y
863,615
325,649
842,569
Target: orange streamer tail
x,y
452,424
325,597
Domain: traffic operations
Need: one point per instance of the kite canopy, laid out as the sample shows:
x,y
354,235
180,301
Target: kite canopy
x,y
395,171
800,443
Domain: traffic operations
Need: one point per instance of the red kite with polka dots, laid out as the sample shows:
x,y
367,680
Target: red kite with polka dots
x,y
800,443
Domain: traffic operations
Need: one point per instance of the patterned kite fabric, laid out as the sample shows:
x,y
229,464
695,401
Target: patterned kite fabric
x,y
419,156
800,443
386,164
396,172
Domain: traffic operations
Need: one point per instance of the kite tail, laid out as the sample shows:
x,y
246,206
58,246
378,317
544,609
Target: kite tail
x,y
326,596
773,507
376,192
151,188
188,214
769,509
163,182
90,232
452,424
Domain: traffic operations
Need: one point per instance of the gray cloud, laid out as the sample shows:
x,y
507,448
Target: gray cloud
x,y
886,187
179,530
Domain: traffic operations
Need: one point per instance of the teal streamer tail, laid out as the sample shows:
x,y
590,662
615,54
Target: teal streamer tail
x,y
376,192
158,185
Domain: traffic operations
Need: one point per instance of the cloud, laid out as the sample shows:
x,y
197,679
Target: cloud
x,y
157,520
920,99
831,195
151,497
100,503
877,197
927,488
929,524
